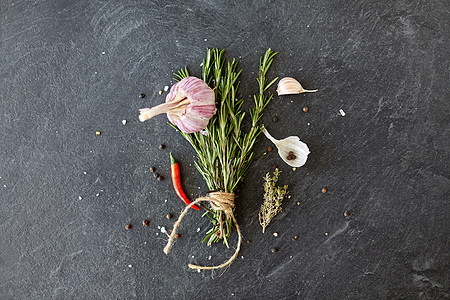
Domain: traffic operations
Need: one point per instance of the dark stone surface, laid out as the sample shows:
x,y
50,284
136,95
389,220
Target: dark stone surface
x,y
69,68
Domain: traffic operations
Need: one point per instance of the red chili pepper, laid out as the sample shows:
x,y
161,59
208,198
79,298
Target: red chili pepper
x,y
176,180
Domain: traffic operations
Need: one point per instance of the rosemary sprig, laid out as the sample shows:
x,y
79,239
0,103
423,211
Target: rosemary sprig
x,y
223,151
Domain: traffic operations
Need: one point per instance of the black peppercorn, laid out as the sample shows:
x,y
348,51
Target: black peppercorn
x,y
160,178
152,170
274,250
128,226
162,146
145,223
142,95
169,216
274,119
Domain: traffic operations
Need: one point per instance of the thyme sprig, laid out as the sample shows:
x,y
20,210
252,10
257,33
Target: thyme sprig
x,y
224,151
273,196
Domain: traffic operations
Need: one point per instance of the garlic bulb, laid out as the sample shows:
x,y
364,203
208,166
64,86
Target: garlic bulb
x,y
293,151
189,105
289,85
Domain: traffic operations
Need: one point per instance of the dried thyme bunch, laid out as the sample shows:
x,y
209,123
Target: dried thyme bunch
x,y
273,195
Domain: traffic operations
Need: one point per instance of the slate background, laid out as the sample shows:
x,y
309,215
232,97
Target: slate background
x,y
385,63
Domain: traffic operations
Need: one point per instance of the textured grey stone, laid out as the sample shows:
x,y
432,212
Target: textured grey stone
x,y
69,68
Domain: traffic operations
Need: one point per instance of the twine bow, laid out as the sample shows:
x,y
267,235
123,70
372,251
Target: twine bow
x,y
219,201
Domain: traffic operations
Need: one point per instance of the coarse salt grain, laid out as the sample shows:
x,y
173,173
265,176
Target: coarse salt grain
x,y
198,229
166,88
124,122
342,112
163,229
80,198
209,257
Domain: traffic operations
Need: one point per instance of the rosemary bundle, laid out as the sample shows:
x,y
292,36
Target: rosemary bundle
x,y
224,151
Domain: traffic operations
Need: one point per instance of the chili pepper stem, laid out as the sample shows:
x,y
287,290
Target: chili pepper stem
x,y
172,160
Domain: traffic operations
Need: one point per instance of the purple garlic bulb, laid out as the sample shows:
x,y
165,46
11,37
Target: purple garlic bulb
x,y
189,105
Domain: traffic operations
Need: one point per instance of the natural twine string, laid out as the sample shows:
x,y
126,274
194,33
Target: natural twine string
x,y
219,201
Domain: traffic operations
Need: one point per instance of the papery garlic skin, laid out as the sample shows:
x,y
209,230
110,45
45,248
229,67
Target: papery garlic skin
x,y
189,105
289,86
288,144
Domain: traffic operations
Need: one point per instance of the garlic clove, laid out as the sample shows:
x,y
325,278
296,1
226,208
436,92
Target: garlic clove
x,y
293,151
289,86
299,149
